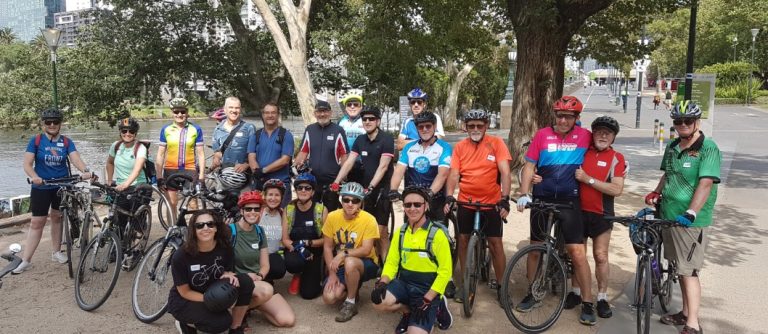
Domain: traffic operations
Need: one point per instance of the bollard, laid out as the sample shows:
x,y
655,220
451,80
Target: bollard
x,y
655,129
661,137
671,133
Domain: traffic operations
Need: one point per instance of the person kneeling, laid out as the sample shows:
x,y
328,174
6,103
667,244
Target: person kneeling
x,y
421,266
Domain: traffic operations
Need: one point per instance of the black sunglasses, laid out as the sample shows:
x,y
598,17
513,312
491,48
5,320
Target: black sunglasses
x,y
412,102
566,116
131,131
475,126
353,104
353,200
52,122
303,188
369,119
201,225
179,111
252,208
417,205
687,121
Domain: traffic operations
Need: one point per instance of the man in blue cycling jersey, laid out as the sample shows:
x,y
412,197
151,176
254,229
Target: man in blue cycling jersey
x,y
417,99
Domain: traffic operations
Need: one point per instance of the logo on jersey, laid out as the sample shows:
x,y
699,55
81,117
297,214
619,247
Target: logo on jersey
x,y
421,164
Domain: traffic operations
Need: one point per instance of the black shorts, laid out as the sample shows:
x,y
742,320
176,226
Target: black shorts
x,y
490,221
594,224
436,207
378,206
570,221
40,200
167,173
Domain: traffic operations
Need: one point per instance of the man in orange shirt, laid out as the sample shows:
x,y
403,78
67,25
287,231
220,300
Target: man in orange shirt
x,y
480,167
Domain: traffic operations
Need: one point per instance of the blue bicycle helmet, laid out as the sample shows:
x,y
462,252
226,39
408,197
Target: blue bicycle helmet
x,y
417,93
305,178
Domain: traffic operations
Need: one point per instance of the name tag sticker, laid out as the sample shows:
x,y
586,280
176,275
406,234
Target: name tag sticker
x,y
60,144
239,134
353,235
551,147
686,165
194,267
602,163
364,153
255,246
422,254
491,157
309,223
329,138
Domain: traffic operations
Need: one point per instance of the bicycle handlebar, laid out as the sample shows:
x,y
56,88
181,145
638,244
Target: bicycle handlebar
x,y
627,220
14,262
539,204
63,181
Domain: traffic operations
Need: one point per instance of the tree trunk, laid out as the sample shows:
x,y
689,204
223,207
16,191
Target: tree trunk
x,y
294,53
451,103
543,30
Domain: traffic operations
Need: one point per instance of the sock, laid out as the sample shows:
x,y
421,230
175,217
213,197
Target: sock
x,y
602,296
351,300
577,291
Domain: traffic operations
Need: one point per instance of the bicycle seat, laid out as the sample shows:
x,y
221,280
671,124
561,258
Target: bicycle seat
x,y
179,182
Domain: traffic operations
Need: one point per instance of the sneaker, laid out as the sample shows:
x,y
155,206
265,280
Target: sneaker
x,y
402,326
293,288
691,330
450,290
528,304
24,265
572,300
677,319
493,284
604,309
588,314
458,296
444,316
348,310
59,257
184,328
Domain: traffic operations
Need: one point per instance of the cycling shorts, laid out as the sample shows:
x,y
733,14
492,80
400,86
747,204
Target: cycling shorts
x,y
569,219
490,221
43,199
594,224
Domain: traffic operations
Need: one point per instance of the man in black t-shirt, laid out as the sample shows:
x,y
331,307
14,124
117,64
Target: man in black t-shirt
x,y
376,149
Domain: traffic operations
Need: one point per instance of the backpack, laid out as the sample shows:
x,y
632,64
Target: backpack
x,y
290,212
280,135
433,228
39,137
258,229
149,165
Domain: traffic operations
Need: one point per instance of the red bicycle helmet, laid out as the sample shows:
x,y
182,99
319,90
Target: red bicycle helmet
x,y
568,103
250,197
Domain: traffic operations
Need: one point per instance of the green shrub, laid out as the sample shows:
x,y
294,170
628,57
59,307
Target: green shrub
x,y
728,101
739,90
729,73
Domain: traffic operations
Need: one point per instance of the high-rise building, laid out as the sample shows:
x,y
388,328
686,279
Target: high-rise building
x,y
70,23
73,5
26,18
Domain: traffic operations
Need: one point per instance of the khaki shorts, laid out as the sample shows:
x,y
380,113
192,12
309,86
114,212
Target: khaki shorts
x,y
686,245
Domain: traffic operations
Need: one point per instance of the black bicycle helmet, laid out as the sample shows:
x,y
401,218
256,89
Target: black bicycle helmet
x,y
421,191
129,123
606,122
685,109
371,110
425,117
51,113
219,296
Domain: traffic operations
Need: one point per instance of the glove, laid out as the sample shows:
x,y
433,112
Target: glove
x,y
652,198
335,187
523,201
379,292
160,183
645,212
686,219
368,190
394,195
257,174
503,204
301,248
450,200
420,313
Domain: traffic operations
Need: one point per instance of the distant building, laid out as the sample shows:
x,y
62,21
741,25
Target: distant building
x,y
71,24
590,65
26,18
73,5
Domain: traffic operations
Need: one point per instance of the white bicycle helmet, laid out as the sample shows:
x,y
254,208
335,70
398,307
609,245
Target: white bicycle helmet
x,y
231,179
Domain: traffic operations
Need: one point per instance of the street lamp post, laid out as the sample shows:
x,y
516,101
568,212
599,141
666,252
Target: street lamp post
x,y
735,40
752,63
52,37
640,66
510,92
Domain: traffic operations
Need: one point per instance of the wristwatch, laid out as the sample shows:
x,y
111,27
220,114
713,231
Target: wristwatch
x,y
591,181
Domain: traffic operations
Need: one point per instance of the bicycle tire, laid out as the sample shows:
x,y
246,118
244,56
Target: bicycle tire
x,y
68,242
644,301
149,297
165,213
666,283
485,262
96,260
137,237
471,275
517,286
391,220
450,219
89,221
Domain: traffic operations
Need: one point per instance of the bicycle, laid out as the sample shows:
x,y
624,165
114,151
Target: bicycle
x,y
153,279
654,276
13,261
77,215
478,266
544,284
105,253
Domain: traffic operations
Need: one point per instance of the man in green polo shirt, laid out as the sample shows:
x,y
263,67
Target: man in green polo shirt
x,y
687,191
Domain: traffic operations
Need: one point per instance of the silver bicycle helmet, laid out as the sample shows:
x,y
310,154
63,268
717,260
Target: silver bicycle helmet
x,y
353,189
476,115
231,179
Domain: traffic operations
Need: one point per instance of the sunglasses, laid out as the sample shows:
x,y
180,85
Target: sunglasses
x,y
369,119
687,121
424,127
417,205
347,200
304,188
252,208
353,104
567,117
413,102
319,111
52,122
179,111
475,126
131,131
201,225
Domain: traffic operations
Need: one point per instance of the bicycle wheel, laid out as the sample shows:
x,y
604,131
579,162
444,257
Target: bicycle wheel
x,y
87,225
165,213
471,274
391,220
98,270
534,298
152,281
485,261
643,298
667,281
66,233
136,237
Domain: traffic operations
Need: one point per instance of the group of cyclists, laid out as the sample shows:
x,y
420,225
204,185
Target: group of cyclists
x,y
332,235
